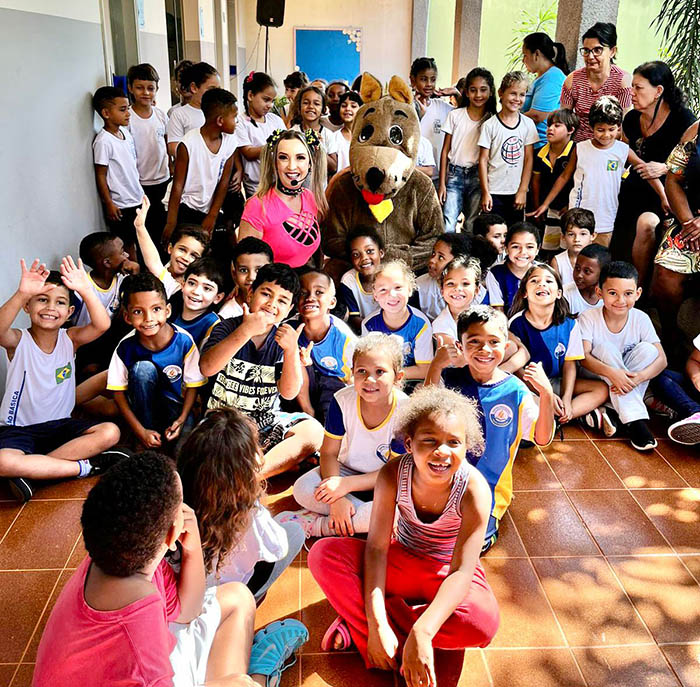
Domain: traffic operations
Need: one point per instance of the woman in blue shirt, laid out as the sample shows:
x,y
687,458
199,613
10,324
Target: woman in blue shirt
x,y
547,59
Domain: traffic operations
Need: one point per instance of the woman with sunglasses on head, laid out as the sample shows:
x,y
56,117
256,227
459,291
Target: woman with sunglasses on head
x,y
599,76
652,129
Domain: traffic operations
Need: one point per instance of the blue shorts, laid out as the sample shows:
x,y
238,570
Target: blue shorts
x,y
45,436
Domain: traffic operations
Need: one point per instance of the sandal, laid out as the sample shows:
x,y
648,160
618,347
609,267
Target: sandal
x,y
272,648
338,626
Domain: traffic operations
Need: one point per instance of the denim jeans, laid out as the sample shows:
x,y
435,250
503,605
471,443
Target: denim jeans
x,y
463,195
677,393
147,399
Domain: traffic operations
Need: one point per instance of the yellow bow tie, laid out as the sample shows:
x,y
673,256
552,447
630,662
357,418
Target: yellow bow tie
x,y
382,210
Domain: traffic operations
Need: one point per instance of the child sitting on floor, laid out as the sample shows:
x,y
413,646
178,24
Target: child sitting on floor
x,y
124,617
394,282
38,437
541,322
254,360
154,372
416,582
327,342
358,441
241,542
579,232
508,407
582,294
365,249
249,255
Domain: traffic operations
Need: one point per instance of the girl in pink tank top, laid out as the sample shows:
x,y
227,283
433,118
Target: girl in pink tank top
x,y
417,585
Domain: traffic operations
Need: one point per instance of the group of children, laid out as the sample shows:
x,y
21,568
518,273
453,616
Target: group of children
x,y
407,396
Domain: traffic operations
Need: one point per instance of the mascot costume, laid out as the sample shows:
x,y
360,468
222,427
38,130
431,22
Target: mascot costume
x,y
382,188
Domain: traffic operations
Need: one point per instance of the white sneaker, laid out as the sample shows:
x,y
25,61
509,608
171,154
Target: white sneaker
x,y
686,431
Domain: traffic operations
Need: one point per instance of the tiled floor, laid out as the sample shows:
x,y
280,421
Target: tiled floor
x,y
597,572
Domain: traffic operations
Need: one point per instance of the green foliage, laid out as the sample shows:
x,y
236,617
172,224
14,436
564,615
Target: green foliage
x,y
544,20
678,23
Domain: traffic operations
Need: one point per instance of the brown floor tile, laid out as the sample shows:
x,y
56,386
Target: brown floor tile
x,y
7,670
533,668
34,643
526,619
549,525
79,552
42,536
676,514
341,670
617,522
473,673
282,600
65,489
693,564
5,493
316,613
589,602
24,676
685,459
508,544
685,660
664,593
574,432
642,666
531,471
579,466
22,599
8,512
637,469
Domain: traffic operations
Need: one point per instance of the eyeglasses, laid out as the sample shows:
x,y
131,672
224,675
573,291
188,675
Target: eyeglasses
x,y
596,52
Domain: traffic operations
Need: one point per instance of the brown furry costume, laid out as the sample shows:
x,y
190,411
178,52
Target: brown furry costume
x,y
382,188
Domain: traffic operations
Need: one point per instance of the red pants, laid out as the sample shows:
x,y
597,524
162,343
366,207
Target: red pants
x,y
412,581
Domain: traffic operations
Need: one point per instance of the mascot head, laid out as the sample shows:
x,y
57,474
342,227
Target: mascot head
x,y
384,145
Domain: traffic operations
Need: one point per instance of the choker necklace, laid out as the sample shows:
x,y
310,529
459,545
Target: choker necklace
x,y
289,191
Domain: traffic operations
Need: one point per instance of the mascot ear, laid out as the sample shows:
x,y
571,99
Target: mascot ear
x,y
370,88
399,90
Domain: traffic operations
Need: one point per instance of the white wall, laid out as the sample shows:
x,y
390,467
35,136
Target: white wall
x,y
153,47
385,24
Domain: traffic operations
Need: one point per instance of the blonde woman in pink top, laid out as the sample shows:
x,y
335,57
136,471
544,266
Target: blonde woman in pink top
x,y
283,213
599,76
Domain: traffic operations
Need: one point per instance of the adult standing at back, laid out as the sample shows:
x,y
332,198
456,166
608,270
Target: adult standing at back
x,y
599,76
652,129
547,59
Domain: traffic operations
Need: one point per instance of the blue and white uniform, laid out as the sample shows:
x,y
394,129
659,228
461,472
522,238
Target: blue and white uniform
x,y
416,334
332,356
502,285
351,292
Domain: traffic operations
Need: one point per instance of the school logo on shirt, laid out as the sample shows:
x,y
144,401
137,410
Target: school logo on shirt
x,y
63,373
512,150
613,165
329,362
501,415
172,372
384,452
560,350
437,127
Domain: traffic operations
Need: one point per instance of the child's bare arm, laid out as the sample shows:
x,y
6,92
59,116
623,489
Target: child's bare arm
x,y
148,437
535,186
219,196
182,161
113,213
516,355
150,254
634,160
486,201
692,368
251,153
535,376
304,397
521,194
442,186
290,380
417,371
191,583
175,428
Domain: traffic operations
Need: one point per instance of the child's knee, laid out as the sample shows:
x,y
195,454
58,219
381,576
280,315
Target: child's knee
x,y
235,597
143,371
304,487
9,457
641,356
107,433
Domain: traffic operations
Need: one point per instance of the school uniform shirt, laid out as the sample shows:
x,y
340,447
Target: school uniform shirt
x,y
172,109
564,267
119,156
429,296
177,364
482,296
444,323
342,147
549,173
363,449
577,303
200,327
170,284
358,301
544,95
151,151
416,334
231,308
204,169
508,413
502,285
506,146
183,119
431,127
248,381
464,147
696,342
552,347
109,298
425,157
332,356
39,387
251,133
637,328
597,181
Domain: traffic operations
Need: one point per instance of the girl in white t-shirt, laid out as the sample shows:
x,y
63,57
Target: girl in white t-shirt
x,y
309,107
350,103
431,109
255,126
359,440
459,160
459,282
219,465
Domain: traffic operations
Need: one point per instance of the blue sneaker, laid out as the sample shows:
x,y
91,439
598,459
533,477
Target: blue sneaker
x,y
273,646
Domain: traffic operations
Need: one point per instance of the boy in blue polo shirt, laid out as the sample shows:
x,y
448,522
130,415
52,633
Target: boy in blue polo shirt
x,y
154,372
508,409
327,342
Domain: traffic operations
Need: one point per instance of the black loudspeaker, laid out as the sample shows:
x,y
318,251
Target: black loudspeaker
x,y
270,12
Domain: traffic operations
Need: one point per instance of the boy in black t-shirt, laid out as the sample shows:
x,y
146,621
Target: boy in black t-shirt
x,y
252,360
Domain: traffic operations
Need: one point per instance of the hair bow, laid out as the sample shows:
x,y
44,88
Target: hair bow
x,y
274,137
312,139
249,78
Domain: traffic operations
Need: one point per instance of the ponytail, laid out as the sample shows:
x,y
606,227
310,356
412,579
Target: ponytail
x,y
554,52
